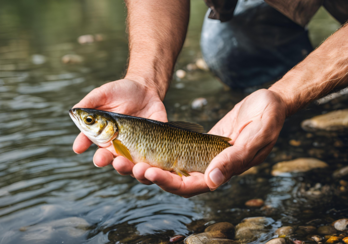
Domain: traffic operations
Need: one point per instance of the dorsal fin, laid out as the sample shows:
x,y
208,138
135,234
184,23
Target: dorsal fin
x,y
187,125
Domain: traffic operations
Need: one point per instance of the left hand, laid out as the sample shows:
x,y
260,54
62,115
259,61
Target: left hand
x,y
253,125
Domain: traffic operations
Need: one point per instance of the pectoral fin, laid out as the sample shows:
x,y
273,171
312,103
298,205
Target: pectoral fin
x,y
122,150
181,172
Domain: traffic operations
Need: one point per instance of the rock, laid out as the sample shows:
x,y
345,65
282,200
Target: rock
x,y
295,143
277,241
180,73
251,228
341,224
316,238
333,239
198,103
333,121
38,59
205,238
251,171
341,172
201,64
326,230
254,203
345,240
72,59
221,230
191,67
176,238
308,229
297,165
285,231
343,183
85,39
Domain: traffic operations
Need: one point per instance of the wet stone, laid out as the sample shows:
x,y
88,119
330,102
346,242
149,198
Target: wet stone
x,y
333,121
316,238
333,239
341,224
341,173
254,203
72,59
295,143
199,103
277,241
326,230
251,171
201,64
297,165
285,231
345,240
180,73
251,228
206,238
308,229
221,230
191,67
176,238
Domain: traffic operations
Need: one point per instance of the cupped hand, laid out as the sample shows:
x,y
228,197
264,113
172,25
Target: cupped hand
x,y
253,125
122,96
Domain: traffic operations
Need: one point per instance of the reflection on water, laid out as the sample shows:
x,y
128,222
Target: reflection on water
x,y
50,195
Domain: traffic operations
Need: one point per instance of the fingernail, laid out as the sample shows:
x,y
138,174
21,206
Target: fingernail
x,y
216,177
95,165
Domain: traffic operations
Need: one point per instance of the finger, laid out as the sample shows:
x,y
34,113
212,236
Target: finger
x,y
102,157
139,172
81,143
123,166
92,99
186,186
227,163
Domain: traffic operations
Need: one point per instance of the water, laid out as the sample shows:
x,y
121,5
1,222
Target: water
x,y
50,195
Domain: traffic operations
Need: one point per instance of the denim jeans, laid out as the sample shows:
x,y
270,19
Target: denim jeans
x,y
258,45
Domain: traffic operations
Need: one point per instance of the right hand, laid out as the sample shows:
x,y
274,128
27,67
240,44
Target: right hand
x,y
122,96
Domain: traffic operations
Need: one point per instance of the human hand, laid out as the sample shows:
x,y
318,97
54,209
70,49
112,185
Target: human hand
x,y
122,96
253,125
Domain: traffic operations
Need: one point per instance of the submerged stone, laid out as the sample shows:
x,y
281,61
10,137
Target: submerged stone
x,y
285,231
252,228
326,230
341,224
206,238
341,172
254,203
297,165
277,241
72,59
333,121
221,230
199,103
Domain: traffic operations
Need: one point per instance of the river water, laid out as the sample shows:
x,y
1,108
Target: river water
x,y
48,194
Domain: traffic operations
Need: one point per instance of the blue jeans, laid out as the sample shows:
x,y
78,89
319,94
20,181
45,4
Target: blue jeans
x,y
258,45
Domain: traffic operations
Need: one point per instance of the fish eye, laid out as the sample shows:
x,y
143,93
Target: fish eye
x,y
89,120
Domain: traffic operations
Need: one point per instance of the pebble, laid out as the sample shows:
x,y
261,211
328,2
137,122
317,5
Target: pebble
x,y
204,238
341,172
341,224
295,143
297,165
251,171
199,103
252,228
38,59
326,230
72,59
180,73
285,231
277,241
85,39
201,64
343,183
333,239
316,238
176,238
308,229
221,230
191,67
333,121
254,203
345,240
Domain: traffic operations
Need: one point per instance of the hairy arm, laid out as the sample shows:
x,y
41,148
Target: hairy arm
x,y
323,70
157,31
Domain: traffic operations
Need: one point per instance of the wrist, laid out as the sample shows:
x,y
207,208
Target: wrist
x,y
151,85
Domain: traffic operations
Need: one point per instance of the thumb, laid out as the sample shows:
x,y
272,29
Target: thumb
x,y
226,164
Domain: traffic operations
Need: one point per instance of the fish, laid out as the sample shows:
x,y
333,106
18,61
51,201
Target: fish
x,y
179,146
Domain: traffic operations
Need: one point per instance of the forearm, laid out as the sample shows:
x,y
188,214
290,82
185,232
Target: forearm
x,y
157,30
323,70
